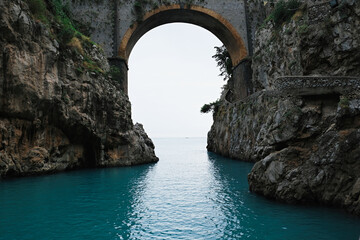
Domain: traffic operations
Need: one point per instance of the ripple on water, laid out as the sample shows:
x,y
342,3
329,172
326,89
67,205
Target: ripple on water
x,y
189,194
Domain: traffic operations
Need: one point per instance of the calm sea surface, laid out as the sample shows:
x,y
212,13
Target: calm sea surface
x,y
189,194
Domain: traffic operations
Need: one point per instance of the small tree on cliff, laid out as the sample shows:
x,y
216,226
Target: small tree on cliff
x,y
214,106
222,57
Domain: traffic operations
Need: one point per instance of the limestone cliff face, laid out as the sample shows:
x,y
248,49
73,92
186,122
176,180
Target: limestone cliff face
x,y
306,148
319,40
53,114
251,129
303,133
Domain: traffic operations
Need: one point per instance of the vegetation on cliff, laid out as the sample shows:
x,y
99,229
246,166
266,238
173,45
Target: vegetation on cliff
x,y
283,11
57,18
213,106
304,140
222,57
318,40
51,12
58,112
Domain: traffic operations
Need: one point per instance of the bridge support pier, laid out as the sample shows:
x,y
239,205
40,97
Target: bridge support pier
x,y
120,72
242,80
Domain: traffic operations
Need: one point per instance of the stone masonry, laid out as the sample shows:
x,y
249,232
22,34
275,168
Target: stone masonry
x,y
110,20
117,25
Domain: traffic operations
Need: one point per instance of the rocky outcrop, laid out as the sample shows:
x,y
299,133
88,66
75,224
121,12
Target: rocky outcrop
x,y
56,111
301,127
320,162
306,148
319,40
251,129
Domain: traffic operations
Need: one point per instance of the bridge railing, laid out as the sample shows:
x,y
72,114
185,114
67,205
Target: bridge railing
x,y
316,85
304,86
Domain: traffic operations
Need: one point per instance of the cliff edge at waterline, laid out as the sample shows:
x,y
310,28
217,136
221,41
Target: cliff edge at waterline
x,y
60,108
302,124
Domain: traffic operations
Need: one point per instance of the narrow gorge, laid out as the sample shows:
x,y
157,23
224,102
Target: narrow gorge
x,y
292,106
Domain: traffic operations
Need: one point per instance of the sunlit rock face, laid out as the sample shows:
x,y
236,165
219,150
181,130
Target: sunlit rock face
x,y
302,132
55,114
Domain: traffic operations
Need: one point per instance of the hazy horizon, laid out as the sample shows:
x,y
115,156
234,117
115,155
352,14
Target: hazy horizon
x,y
171,76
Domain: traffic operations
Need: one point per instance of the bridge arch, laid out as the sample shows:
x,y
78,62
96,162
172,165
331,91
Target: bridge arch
x,y
192,14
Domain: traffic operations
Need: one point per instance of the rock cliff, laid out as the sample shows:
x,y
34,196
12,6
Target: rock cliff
x,y
306,148
59,109
302,132
319,40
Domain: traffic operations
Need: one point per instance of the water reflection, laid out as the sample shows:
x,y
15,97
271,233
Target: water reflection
x,y
189,194
252,216
129,195
175,201
73,205
200,195
227,174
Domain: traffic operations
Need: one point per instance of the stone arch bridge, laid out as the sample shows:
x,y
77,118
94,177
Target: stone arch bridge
x,y
118,24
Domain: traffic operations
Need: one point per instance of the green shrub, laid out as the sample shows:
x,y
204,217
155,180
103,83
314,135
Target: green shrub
x,y
63,17
344,102
214,106
283,11
139,9
59,19
115,73
223,60
38,9
61,14
206,108
66,34
279,12
293,5
303,29
91,66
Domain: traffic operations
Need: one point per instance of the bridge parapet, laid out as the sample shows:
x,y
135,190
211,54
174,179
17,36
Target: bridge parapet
x,y
317,85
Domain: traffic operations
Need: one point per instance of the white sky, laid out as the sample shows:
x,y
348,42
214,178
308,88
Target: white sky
x,y
171,76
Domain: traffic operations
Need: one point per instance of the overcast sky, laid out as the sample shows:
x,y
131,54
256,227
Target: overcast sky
x,y
171,75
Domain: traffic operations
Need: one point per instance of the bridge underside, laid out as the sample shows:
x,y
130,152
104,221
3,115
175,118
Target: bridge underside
x,y
196,15
117,25
199,16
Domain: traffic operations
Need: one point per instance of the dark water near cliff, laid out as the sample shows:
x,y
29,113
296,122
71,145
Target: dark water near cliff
x,y
189,194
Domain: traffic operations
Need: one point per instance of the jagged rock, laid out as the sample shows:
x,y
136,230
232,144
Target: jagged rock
x,y
327,46
52,116
305,140
306,148
249,130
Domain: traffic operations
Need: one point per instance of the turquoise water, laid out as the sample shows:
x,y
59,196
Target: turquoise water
x,y
189,194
